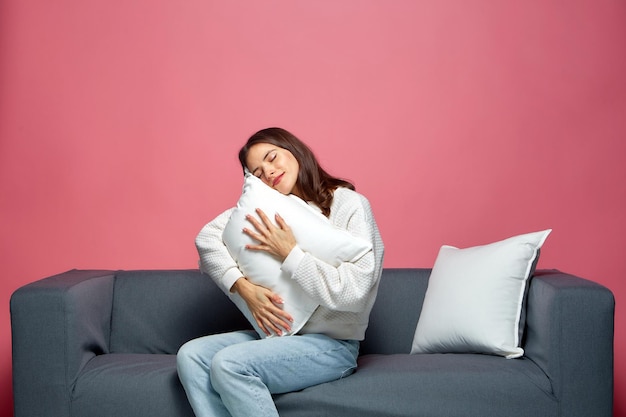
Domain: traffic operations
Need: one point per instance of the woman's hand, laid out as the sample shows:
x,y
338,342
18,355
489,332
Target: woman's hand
x,y
276,239
263,304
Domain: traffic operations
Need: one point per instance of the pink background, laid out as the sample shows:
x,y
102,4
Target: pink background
x,y
464,122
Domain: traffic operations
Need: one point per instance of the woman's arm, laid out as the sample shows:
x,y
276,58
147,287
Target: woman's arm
x,y
348,286
215,260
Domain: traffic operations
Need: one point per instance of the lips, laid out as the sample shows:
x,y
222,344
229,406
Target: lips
x,y
277,180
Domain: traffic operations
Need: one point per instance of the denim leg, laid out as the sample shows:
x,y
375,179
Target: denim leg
x,y
247,374
193,362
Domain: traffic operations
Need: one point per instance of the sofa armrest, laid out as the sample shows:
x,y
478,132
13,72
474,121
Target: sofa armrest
x,y
45,315
569,334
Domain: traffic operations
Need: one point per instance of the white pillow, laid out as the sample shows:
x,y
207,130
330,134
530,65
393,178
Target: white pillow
x,y
475,296
313,232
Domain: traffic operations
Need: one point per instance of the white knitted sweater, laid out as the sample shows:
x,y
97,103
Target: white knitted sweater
x,y
345,293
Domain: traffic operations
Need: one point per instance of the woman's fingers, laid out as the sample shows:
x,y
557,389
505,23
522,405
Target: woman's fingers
x,y
278,241
282,224
266,221
265,307
258,228
273,320
265,226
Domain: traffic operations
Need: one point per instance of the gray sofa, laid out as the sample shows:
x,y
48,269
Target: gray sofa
x,y
103,343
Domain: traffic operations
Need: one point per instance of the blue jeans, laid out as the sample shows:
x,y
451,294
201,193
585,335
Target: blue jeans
x,y
235,374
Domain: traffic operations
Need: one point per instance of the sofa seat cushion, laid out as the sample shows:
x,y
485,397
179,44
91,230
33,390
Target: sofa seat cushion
x,y
384,385
130,384
430,385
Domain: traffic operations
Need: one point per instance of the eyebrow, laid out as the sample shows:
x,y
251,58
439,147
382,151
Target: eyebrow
x,y
264,158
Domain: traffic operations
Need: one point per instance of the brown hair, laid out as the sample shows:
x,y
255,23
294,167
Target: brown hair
x,y
314,183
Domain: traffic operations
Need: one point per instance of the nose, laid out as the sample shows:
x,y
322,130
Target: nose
x,y
268,172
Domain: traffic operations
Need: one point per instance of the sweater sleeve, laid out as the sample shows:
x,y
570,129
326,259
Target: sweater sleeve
x,y
215,260
346,287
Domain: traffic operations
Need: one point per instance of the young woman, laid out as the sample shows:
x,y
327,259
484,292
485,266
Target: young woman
x,y
235,374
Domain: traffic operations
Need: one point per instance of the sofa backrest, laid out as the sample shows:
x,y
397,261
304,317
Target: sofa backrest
x,y
394,316
158,311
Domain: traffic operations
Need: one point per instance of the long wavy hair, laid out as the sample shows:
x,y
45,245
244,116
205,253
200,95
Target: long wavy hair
x,y
314,183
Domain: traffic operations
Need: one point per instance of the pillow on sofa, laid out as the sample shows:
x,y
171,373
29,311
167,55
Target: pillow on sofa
x,y
475,296
313,232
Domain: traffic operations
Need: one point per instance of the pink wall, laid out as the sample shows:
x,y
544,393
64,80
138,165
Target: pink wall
x,y
463,122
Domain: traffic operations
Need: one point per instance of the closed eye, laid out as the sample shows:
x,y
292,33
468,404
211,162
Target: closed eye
x,y
269,157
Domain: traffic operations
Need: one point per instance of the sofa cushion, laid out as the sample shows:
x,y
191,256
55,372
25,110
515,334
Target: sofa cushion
x,y
475,296
435,385
313,232
142,385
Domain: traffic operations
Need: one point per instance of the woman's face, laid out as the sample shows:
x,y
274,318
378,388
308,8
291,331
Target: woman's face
x,y
275,166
